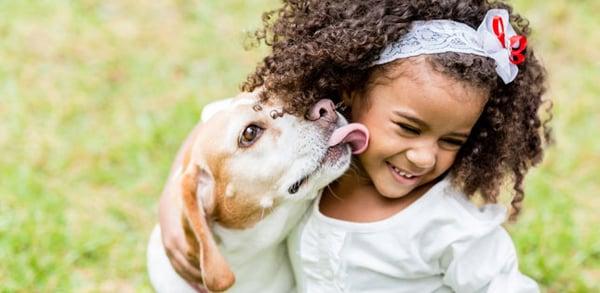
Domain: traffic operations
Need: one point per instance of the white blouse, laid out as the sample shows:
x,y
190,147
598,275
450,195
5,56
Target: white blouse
x,y
440,243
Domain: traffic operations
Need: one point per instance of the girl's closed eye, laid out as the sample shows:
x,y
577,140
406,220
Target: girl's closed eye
x,y
447,143
452,143
408,129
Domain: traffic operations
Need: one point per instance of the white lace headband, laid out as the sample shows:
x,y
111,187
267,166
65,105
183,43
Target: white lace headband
x,y
495,38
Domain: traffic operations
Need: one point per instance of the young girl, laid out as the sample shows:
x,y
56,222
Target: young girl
x,y
450,92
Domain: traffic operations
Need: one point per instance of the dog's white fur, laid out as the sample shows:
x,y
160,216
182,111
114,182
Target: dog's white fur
x,y
252,183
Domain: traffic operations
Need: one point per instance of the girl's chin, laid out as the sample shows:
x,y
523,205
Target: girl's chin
x,y
393,191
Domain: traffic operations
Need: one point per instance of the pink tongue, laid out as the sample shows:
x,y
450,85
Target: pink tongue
x,y
355,134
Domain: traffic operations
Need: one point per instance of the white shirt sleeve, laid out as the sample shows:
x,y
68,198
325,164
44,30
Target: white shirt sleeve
x,y
485,263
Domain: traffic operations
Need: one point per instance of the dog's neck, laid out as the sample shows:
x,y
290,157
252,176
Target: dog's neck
x,y
267,233
234,212
251,230
242,214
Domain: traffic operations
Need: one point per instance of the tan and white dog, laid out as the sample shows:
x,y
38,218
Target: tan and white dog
x,y
245,182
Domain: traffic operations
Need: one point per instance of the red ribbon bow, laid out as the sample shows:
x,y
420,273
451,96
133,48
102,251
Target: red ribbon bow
x,y
517,42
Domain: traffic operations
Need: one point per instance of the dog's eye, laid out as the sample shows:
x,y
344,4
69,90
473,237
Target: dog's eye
x,y
249,136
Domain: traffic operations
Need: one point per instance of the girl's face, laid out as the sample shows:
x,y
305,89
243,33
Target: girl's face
x,y
418,119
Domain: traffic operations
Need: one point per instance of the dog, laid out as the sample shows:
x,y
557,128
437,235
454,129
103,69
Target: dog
x,y
245,182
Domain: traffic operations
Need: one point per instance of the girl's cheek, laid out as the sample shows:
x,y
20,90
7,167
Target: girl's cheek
x,y
445,162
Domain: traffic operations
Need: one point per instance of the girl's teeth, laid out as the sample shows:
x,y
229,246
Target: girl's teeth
x,y
402,173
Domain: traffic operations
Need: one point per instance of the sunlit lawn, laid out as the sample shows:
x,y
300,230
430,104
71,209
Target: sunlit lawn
x,y
96,96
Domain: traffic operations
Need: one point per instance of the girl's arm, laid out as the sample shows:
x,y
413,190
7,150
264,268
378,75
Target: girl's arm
x,y
485,263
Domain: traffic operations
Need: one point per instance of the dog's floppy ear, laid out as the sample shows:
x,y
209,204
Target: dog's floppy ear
x,y
216,274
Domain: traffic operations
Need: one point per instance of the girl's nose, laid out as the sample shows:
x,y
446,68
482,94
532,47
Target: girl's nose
x,y
422,157
323,109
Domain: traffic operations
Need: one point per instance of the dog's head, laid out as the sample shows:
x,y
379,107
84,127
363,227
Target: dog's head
x,y
248,157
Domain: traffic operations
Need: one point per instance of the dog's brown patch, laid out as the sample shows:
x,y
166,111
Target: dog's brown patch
x,y
193,254
240,211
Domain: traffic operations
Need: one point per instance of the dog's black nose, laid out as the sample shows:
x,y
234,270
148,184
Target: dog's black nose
x,y
323,110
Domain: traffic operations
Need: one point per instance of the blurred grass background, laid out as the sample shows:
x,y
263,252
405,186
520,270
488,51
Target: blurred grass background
x,y
96,96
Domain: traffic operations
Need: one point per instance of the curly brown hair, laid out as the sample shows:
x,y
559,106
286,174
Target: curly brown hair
x,y
324,48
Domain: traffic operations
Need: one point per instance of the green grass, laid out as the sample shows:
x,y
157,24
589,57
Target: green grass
x,y
96,96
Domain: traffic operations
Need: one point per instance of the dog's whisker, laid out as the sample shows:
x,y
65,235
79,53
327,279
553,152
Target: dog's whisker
x,y
333,193
355,169
265,211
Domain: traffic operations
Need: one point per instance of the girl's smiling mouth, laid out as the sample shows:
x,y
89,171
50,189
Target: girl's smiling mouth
x,y
401,176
